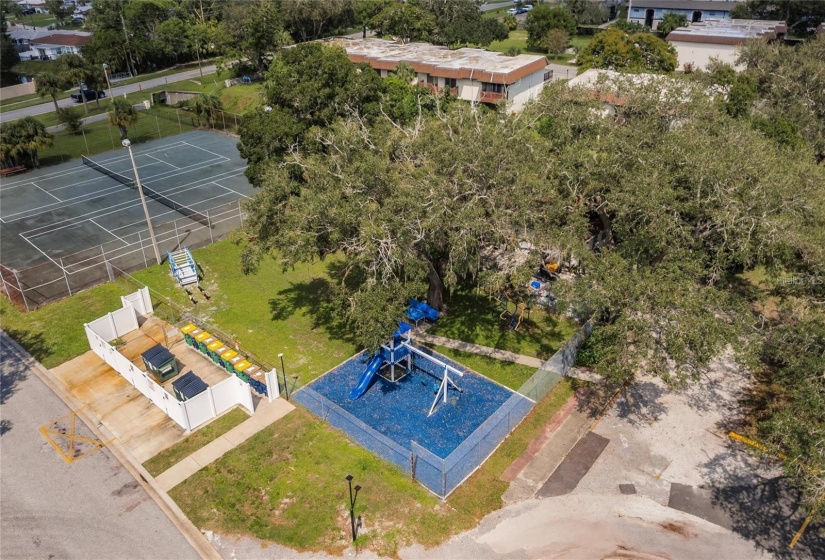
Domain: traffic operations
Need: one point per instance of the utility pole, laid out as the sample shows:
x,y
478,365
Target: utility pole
x,y
128,49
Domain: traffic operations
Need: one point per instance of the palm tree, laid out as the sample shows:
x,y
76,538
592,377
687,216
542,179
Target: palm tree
x,y
10,144
75,70
49,83
122,115
207,106
33,137
95,80
670,22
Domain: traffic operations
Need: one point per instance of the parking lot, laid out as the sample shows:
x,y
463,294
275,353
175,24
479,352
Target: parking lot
x,y
89,508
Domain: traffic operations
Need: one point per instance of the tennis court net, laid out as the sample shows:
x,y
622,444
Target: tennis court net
x,y
199,217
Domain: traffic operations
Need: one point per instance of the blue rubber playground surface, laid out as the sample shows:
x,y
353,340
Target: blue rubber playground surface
x,y
399,410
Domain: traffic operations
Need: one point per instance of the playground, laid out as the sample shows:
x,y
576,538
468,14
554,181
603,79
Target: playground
x,y
399,409
417,408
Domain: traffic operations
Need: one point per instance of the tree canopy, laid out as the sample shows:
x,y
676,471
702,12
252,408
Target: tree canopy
x,y
542,19
614,49
661,202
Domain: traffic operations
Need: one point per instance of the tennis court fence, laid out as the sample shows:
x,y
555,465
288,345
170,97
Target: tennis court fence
x,y
61,277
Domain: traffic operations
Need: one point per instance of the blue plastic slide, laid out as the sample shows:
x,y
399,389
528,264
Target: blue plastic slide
x,y
366,377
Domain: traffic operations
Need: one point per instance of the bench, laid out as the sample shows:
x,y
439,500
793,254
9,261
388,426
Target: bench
x,y
8,171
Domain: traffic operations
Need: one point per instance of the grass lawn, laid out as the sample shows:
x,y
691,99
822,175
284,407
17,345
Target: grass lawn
x,y
286,484
518,39
507,373
472,318
241,98
54,333
194,441
270,312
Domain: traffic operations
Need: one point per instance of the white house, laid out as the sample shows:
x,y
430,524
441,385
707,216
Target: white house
x,y
39,6
651,12
474,75
697,44
52,46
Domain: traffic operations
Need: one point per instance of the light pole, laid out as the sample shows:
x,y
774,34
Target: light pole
x,y
286,385
108,83
352,505
128,146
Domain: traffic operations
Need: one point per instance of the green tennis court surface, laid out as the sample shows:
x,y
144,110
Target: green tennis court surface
x,y
57,214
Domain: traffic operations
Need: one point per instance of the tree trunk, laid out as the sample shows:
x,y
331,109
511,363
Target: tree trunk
x,y
56,106
35,159
83,97
123,132
435,290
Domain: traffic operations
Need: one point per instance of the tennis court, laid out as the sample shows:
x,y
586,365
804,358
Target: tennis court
x,y
65,220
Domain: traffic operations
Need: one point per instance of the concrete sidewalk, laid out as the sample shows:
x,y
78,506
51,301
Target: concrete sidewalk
x,y
267,413
502,355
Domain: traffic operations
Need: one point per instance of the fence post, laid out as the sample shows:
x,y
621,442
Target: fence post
x,y
65,276
211,402
209,227
235,116
240,214
142,252
157,122
85,141
109,128
223,118
5,288
177,237
20,287
106,264
180,126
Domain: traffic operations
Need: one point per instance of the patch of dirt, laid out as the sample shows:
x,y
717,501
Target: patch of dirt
x,y
678,528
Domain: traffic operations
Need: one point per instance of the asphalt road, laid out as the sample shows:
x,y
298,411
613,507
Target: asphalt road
x,y
48,107
90,509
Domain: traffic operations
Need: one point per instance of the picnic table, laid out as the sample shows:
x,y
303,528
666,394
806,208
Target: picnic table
x,y
9,171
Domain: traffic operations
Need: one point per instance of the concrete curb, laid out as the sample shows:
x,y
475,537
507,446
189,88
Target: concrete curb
x,y
191,533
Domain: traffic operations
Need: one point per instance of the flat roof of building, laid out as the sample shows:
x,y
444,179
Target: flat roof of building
x,y
710,5
728,31
478,64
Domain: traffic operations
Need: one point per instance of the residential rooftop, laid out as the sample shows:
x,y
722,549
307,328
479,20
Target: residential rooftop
x,y
478,64
702,5
62,40
728,31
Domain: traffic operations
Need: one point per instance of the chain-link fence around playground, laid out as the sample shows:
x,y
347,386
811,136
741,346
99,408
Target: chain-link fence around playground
x,y
443,475
64,276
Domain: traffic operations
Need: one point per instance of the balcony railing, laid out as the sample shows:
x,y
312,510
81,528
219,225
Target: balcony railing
x,y
492,96
435,89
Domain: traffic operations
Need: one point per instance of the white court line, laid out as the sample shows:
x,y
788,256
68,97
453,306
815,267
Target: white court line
x,y
80,167
161,161
45,191
153,178
231,190
103,228
107,231
124,205
39,250
207,151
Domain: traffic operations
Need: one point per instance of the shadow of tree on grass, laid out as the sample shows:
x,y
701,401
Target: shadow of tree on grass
x,y
317,299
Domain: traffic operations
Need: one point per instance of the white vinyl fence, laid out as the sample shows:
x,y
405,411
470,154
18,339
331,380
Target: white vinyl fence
x,y
188,414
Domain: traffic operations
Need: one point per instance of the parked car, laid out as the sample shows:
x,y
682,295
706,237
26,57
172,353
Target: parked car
x,y
512,11
89,94
527,7
28,12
